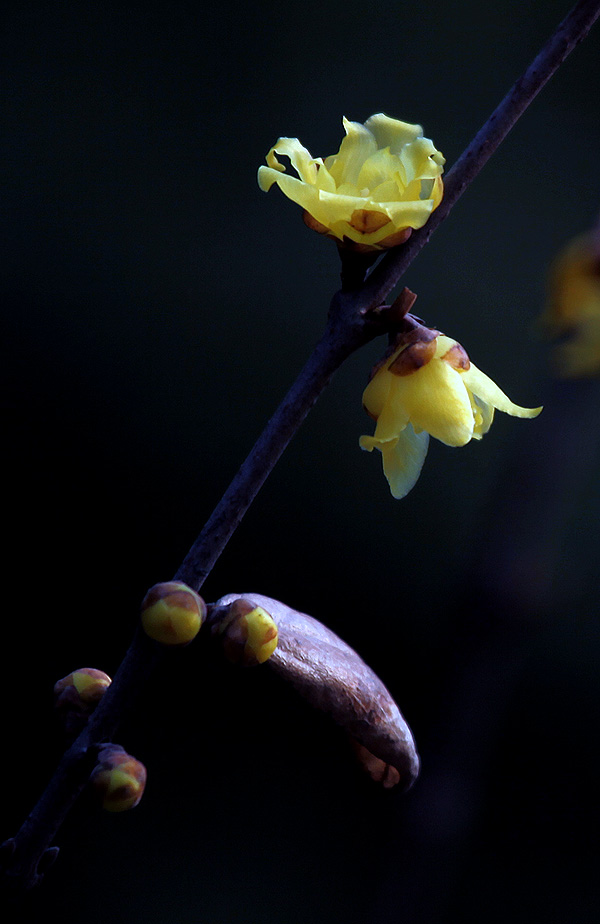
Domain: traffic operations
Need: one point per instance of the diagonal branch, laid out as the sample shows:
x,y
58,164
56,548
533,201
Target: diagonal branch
x,y
351,324
572,30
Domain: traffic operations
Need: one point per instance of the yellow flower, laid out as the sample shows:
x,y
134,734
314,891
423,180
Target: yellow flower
x,y
384,181
574,308
429,386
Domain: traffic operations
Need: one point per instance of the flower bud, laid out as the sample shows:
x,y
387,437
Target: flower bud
x,y
118,778
84,687
247,631
78,694
172,613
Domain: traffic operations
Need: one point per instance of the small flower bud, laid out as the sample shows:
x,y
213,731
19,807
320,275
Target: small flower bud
x,y
172,613
78,694
118,778
84,687
247,631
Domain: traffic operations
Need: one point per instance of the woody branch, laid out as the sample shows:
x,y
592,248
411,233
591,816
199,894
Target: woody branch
x,y
353,321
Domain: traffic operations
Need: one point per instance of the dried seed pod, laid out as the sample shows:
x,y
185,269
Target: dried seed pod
x,y
248,632
118,778
172,613
78,694
333,678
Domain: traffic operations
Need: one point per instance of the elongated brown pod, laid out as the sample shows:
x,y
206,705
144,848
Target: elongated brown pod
x,y
333,678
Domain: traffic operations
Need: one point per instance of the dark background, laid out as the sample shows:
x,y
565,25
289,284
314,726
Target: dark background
x,y
157,306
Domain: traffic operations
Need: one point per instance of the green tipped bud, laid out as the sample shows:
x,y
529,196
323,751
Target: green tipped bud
x,y
248,633
118,778
172,613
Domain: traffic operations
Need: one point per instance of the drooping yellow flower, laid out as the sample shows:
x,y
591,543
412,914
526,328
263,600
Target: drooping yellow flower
x,y
384,181
429,387
573,310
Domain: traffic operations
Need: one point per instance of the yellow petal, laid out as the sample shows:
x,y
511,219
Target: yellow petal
x,y
403,458
407,214
376,393
392,420
483,415
379,168
301,159
325,180
304,194
419,161
392,133
356,147
437,192
436,400
389,191
484,388
403,461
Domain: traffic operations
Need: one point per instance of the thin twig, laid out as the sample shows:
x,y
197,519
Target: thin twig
x,y
348,328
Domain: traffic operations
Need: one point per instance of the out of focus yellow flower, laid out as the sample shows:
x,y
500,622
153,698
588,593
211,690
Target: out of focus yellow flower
x,y
573,310
429,386
384,181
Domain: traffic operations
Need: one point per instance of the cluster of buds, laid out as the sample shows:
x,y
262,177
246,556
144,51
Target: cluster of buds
x,y
247,632
118,779
172,613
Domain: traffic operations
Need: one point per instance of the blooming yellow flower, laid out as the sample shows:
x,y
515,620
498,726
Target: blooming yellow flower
x,y
574,307
384,181
429,387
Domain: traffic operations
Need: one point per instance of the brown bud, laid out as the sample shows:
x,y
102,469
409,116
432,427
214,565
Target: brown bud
x,y
118,778
172,613
78,694
333,678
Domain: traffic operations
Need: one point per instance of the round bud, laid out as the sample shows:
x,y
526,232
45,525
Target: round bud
x,y
84,687
248,633
118,778
172,613
77,695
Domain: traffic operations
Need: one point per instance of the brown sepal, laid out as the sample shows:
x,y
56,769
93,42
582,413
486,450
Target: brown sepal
x,y
333,678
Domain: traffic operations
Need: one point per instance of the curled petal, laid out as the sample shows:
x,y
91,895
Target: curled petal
x,y
392,133
484,388
483,415
357,146
301,159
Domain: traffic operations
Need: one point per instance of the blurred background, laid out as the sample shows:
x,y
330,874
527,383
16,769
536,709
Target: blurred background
x,y
157,307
